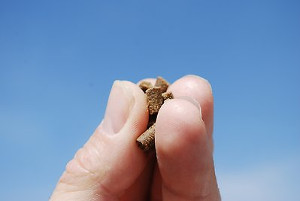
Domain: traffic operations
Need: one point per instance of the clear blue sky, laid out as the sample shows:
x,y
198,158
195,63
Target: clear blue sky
x,y
58,60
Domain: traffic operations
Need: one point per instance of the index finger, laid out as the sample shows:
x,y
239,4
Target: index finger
x,y
183,142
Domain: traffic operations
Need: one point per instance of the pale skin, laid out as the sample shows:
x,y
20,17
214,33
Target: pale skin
x,y
110,166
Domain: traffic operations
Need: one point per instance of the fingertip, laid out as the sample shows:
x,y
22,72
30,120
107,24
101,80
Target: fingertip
x,y
111,156
178,126
200,90
200,80
183,150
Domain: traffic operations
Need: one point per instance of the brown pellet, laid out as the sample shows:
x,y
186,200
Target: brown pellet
x,y
144,85
147,139
154,99
156,95
162,84
167,95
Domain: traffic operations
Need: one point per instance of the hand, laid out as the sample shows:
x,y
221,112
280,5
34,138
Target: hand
x,y
110,166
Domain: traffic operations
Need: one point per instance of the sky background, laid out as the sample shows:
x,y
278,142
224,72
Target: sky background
x,y
58,60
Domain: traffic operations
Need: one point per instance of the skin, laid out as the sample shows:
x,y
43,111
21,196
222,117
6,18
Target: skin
x,y
110,166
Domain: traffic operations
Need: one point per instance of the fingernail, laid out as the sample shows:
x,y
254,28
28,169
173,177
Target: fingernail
x,y
194,102
118,108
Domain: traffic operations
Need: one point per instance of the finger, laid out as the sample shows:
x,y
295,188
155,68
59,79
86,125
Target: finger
x,y
156,194
140,189
200,90
184,154
110,162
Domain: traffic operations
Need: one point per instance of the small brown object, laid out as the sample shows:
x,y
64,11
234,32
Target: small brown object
x,y
167,95
146,140
144,85
162,84
155,98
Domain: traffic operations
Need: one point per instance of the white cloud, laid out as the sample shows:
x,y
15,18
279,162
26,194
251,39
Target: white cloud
x,y
278,181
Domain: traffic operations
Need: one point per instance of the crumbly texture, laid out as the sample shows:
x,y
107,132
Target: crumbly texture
x,y
155,99
147,139
167,95
144,85
162,84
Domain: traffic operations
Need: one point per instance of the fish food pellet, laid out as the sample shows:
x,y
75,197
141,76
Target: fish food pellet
x,y
167,95
156,95
154,99
145,85
162,84
147,139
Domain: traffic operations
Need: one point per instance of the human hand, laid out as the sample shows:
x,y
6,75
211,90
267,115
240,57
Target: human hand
x,y
111,167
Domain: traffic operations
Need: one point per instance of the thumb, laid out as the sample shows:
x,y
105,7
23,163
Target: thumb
x,y
109,162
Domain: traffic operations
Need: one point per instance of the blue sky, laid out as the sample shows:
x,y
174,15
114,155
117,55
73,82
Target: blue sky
x,y
58,60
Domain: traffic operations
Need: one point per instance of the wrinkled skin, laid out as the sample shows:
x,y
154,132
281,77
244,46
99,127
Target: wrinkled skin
x,y
110,166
